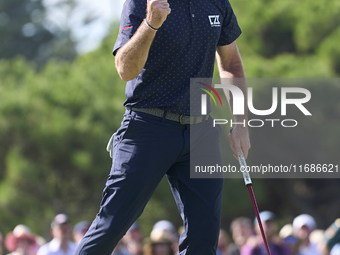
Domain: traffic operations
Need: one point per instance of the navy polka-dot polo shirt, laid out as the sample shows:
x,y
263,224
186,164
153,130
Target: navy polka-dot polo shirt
x,y
183,48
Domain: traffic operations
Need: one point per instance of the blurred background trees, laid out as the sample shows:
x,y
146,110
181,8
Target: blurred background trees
x,y
55,122
41,30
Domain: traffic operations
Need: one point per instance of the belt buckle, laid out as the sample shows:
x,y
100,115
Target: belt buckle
x,y
180,119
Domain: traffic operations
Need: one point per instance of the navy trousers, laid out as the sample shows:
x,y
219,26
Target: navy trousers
x,y
146,148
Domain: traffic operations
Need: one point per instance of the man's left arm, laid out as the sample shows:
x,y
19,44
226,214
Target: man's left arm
x,y
230,66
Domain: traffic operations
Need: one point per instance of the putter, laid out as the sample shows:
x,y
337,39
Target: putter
x,y
247,181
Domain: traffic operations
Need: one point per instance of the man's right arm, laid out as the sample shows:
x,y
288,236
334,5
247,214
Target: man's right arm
x,y
131,58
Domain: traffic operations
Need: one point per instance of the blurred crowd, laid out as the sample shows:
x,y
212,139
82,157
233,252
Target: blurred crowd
x,y
300,237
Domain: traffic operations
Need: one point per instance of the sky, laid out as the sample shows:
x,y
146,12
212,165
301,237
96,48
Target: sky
x,y
107,10
90,36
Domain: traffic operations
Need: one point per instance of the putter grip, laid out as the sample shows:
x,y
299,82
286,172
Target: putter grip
x,y
243,168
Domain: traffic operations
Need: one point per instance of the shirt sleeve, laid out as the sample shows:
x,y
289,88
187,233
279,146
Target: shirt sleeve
x,y
230,28
133,13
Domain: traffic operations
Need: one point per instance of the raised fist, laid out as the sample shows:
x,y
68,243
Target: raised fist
x,y
156,12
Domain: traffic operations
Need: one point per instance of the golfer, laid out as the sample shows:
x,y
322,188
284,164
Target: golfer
x,y
160,46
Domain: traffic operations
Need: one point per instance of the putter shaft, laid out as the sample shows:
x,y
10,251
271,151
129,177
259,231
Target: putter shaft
x,y
248,183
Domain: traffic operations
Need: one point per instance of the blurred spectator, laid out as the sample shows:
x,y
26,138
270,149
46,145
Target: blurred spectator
x,y
133,240
241,230
61,232
167,225
303,226
331,239
39,241
21,241
80,230
120,249
180,230
289,240
255,245
163,238
316,236
223,243
1,244
335,250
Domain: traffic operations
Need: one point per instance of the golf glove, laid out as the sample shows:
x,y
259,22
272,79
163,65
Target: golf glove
x,y
109,146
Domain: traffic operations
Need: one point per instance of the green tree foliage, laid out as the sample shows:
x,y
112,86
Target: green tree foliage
x,y
54,128
289,38
24,30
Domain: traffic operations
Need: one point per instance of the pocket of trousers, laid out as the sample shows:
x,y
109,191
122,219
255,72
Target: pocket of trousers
x,y
123,130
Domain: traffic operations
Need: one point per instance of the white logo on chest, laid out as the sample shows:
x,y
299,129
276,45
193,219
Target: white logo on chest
x,y
214,20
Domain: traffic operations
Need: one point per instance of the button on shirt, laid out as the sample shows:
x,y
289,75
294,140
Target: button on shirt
x,y
53,248
184,47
